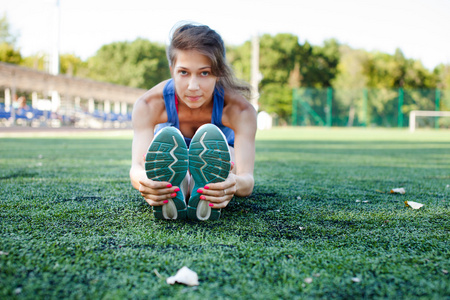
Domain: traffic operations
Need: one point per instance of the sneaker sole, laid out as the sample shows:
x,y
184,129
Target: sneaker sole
x,y
209,162
167,160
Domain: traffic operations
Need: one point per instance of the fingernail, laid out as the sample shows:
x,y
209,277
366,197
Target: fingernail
x,y
206,187
199,191
166,201
211,204
177,190
232,163
173,195
202,197
169,185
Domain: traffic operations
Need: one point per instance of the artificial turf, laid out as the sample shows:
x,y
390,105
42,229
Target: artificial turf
x,y
321,222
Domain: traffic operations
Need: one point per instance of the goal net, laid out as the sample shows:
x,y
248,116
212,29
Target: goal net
x,y
424,113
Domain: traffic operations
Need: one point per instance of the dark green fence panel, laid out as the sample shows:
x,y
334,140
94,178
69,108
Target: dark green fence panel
x,y
367,107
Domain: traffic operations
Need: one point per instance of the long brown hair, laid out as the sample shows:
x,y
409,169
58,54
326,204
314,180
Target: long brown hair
x,y
208,42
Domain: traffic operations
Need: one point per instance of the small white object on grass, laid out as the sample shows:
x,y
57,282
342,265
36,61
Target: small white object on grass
x,y
308,280
184,276
398,191
413,205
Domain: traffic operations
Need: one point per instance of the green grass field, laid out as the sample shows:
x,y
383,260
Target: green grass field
x,y
321,222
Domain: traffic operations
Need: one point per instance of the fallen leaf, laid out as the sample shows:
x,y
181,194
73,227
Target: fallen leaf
x,y
398,191
3,253
356,279
413,205
308,280
157,274
184,276
444,271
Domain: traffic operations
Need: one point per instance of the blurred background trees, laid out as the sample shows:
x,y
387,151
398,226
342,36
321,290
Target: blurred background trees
x,y
285,64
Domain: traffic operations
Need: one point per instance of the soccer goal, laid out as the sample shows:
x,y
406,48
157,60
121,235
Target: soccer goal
x,y
424,113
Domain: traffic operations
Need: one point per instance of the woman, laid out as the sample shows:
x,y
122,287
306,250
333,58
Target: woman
x,y
213,162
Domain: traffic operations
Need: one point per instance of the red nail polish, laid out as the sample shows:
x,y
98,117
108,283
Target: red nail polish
x,y
169,185
177,190
202,197
211,204
173,195
199,191
166,201
206,187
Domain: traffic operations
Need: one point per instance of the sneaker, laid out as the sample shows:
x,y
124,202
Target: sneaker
x,y
209,161
167,160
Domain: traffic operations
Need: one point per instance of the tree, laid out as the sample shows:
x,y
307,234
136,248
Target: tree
x,y
350,80
240,59
37,61
139,64
6,36
442,72
280,69
8,52
73,65
319,63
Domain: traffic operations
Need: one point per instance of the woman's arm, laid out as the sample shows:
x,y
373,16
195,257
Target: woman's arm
x,y
241,117
148,111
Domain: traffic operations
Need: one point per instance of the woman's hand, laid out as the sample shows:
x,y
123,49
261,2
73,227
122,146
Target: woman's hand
x,y
219,194
157,193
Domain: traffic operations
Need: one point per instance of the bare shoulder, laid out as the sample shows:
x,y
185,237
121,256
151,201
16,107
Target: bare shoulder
x,y
238,112
149,109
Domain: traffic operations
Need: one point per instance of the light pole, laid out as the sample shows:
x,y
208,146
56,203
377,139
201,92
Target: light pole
x,y
255,76
55,53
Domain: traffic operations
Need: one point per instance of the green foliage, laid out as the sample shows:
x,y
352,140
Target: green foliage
x,y
36,61
277,57
277,98
286,64
442,72
321,223
6,36
69,64
72,65
9,54
240,58
319,63
139,64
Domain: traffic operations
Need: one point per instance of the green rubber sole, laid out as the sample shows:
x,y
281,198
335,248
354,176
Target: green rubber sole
x,y
209,162
167,160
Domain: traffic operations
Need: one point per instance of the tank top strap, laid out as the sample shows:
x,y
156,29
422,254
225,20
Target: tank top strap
x,y
216,118
169,100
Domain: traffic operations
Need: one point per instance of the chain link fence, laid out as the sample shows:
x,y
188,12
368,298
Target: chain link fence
x,y
368,107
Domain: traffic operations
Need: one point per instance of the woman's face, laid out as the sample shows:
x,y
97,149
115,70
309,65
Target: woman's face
x,y
194,82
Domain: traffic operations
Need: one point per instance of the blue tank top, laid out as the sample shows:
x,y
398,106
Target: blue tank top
x,y
216,117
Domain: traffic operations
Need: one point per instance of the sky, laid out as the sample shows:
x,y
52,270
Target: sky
x,y
420,28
